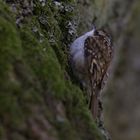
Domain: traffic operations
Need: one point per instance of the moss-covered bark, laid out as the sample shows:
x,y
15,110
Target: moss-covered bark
x,y
38,101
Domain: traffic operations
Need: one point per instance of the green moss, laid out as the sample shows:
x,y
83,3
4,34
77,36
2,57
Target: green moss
x,y
10,50
82,120
3,12
53,22
66,131
10,45
32,75
43,62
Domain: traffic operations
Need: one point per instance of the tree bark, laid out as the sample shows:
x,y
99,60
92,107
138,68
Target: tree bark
x,y
38,100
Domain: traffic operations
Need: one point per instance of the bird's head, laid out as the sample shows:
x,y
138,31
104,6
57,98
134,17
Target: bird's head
x,y
103,37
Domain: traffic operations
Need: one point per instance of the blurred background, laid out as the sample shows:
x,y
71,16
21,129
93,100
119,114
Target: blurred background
x,y
122,95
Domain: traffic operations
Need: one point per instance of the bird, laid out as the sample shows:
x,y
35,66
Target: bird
x,y
90,57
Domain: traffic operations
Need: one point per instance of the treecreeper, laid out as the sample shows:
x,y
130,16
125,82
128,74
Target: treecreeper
x,y
90,56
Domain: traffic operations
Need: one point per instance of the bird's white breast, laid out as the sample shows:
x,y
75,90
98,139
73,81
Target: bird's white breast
x,y
77,49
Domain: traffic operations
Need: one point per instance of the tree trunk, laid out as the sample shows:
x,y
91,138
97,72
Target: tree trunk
x,y
38,100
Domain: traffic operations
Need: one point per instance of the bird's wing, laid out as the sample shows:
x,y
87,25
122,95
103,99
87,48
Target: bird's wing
x,y
91,61
91,52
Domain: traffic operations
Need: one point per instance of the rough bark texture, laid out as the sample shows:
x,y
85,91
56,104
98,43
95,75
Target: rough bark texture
x,y
38,100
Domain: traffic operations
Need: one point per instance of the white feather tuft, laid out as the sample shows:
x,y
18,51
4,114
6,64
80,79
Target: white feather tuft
x,y
77,48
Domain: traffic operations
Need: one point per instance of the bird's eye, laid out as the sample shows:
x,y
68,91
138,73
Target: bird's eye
x,y
96,32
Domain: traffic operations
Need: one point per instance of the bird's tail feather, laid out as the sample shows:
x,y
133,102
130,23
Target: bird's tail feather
x,y
93,105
